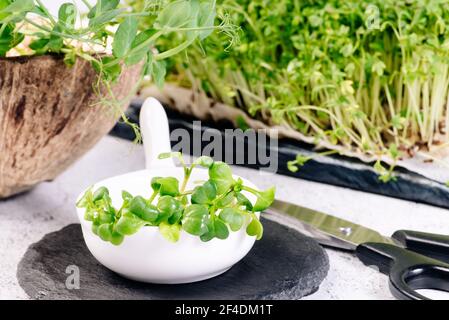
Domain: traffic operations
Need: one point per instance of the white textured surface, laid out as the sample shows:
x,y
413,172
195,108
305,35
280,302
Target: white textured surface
x,y
50,206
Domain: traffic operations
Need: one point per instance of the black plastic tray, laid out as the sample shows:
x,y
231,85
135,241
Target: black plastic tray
x,y
336,170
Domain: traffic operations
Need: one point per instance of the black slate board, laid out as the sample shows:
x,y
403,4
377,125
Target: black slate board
x,y
283,265
336,170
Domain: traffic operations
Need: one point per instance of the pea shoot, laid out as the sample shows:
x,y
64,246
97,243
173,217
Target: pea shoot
x,y
110,36
355,76
211,210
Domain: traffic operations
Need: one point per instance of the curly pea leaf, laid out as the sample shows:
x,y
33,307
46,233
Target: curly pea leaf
x,y
104,18
166,186
9,39
17,6
3,5
140,54
221,174
39,45
170,231
232,217
170,209
124,37
264,199
204,194
143,210
129,223
175,15
102,6
255,228
206,18
67,15
195,220
158,71
103,11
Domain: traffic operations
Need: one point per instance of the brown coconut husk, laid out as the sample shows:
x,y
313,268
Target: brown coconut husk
x,y
49,117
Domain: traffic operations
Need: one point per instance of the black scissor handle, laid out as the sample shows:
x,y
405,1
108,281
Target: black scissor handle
x,y
431,245
408,271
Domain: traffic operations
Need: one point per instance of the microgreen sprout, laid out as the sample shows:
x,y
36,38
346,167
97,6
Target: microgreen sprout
x,y
331,70
210,210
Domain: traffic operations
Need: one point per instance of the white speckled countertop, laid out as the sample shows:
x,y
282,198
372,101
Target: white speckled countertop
x,y
25,219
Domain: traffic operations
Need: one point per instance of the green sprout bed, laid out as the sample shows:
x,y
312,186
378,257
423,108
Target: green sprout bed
x,y
368,77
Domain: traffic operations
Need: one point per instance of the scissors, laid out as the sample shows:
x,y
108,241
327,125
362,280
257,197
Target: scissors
x,y
412,260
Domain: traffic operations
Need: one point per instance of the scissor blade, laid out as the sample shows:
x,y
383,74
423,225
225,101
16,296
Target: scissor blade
x,y
326,229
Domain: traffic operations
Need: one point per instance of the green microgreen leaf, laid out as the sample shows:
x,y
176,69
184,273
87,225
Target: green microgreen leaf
x,y
221,174
204,161
128,224
264,199
141,208
221,230
244,201
196,217
170,232
169,207
255,228
100,193
105,231
233,217
225,201
201,212
166,186
205,194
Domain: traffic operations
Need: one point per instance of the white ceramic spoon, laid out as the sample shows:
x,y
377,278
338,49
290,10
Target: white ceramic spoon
x,y
147,256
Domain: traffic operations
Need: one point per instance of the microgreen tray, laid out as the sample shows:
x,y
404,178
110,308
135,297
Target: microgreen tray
x,y
333,169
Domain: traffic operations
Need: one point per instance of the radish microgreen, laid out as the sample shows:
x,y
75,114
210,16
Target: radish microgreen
x,y
208,211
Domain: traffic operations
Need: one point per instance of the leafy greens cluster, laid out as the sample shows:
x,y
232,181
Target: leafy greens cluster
x,y
366,77
208,211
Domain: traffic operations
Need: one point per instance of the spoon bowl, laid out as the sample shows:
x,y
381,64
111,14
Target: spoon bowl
x,y
147,256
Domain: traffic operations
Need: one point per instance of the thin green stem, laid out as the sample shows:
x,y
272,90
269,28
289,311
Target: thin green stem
x,y
45,10
153,196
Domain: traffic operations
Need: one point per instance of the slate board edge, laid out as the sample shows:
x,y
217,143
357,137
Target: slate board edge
x,y
30,254
334,170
